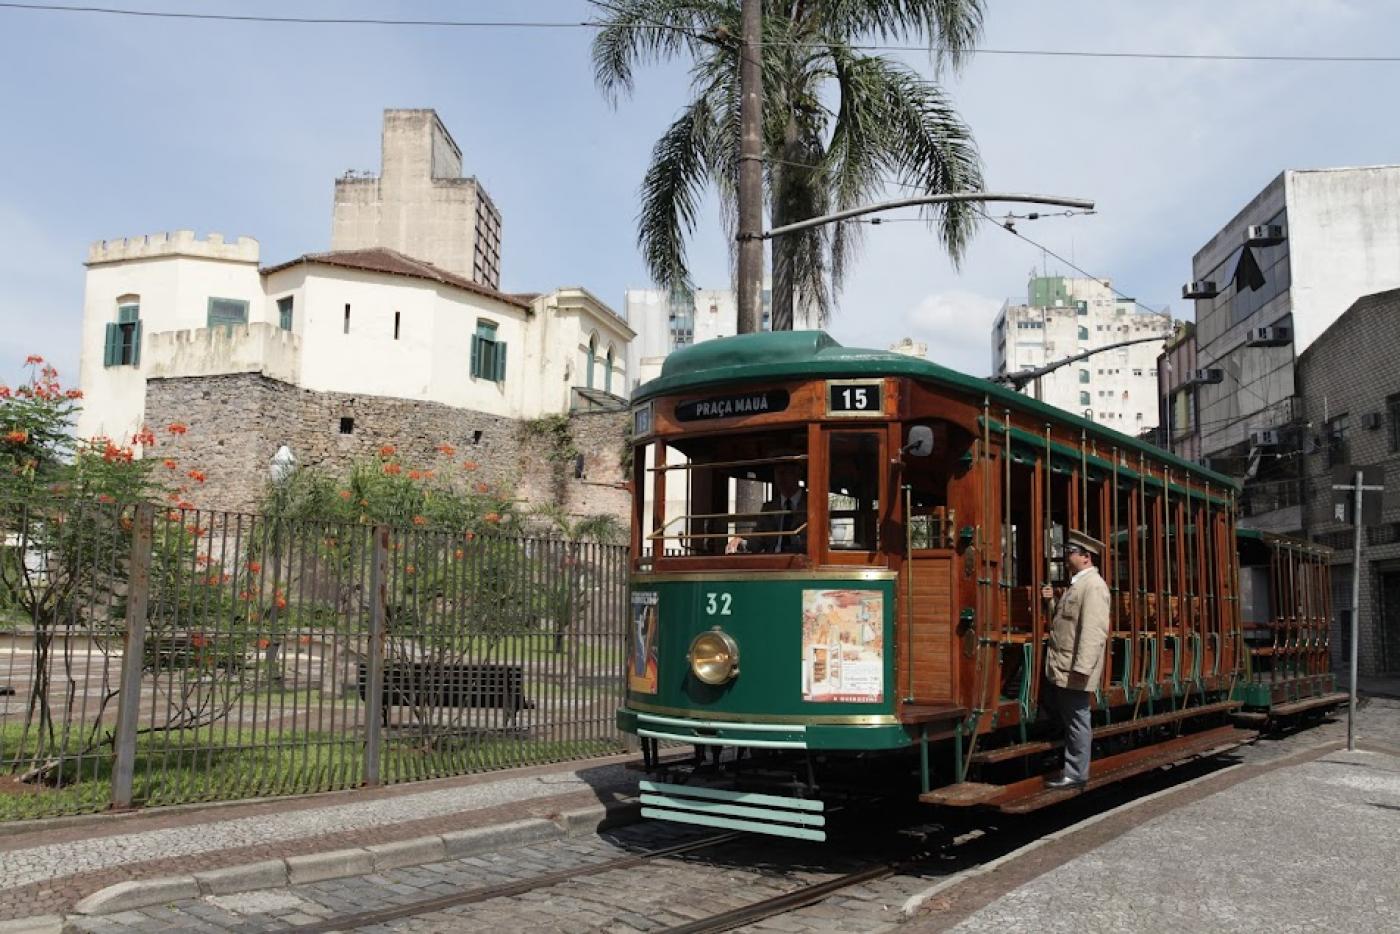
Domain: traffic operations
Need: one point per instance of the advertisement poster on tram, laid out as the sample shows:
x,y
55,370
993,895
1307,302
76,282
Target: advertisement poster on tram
x,y
843,646
641,655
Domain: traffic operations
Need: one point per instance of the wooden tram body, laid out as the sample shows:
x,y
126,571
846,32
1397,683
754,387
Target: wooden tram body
x,y
904,640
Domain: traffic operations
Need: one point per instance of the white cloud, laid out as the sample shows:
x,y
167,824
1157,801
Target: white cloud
x,y
957,326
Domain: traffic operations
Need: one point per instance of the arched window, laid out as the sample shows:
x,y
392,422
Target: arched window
x,y
607,373
592,358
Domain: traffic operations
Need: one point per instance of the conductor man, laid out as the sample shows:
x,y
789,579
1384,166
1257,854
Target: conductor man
x,y
1074,654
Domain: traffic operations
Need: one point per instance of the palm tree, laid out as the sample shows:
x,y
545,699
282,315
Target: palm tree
x,y
839,125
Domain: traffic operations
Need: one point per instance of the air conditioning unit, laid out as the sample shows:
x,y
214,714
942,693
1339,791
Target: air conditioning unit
x,y
1264,438
1201,289
1371,421
1276,335
1208,376
1264,234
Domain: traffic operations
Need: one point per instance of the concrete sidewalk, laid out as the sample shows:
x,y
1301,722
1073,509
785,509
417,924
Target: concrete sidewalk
x,y
48,867
1310,845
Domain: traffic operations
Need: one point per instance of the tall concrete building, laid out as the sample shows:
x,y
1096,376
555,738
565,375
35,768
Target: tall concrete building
x,y
666,321
1065,316
419,204
1266,285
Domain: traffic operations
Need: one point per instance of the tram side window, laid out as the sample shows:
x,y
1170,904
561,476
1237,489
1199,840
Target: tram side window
x,y
853,498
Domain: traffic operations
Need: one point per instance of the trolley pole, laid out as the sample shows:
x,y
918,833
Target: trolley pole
x,y
750,272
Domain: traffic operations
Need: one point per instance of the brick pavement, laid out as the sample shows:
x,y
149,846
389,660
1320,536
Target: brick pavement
x,y
48,870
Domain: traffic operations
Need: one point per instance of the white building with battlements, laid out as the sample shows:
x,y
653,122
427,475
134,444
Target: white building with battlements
x,y
369,322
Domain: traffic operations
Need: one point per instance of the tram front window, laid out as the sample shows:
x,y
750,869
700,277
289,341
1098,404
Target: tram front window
x,y
735,495
853,498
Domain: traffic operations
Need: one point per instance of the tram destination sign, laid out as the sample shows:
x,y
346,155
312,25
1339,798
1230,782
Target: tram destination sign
x,y
855,397
733,406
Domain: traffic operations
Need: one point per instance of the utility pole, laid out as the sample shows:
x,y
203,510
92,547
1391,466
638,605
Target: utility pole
x,y
750,274
1356,482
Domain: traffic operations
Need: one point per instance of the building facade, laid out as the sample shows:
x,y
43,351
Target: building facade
x,y
1065,316
1178,385
666,321
419,204
1349,387
1266,285
333,353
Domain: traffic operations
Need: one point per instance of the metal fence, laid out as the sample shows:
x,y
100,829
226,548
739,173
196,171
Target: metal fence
x,y
159,657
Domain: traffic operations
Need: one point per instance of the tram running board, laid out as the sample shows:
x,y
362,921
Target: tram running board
x,y
1006,753
1031,794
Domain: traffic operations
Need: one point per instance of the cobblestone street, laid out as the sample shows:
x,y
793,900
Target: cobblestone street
x,y
1065,871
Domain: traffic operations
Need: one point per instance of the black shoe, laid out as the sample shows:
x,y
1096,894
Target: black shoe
x,y
1056,784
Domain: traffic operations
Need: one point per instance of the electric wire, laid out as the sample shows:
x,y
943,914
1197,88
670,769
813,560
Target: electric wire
x,y
590,24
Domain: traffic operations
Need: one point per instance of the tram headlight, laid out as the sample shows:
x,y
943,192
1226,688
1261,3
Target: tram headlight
x,y
714,657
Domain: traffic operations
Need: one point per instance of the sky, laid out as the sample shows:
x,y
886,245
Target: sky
x,y
123,126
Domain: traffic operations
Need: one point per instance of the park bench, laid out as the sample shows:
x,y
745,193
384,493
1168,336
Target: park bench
x,y
186,650
436,684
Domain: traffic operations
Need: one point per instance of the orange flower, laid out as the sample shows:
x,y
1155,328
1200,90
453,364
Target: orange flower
x,y
144,436
201,560
170,464
247,595
345,494
469,465
305,640
254,567
387,450
196,475
173,515
427,475
177,428
420,520
186,504
33,360
281,602
104,498
492,517
74,394
264,643
447,449
483,488
393,470
415,475
458,554
470,536
4,392
18,437
409,569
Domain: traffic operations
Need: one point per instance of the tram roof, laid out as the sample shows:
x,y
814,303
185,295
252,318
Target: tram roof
x,y
817,355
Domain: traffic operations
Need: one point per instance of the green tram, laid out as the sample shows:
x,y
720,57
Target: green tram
x,y
837,556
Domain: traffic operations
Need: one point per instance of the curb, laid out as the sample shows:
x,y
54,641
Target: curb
x,y
336,864
37,924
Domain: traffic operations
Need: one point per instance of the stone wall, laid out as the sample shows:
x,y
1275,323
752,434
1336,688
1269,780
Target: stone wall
x,y
237,422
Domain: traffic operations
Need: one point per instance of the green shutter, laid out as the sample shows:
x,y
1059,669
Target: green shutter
x,y
136,345
111,351
500,362
476,356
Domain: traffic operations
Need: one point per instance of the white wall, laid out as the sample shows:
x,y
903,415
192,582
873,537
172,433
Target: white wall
x,y
1344,237
173,276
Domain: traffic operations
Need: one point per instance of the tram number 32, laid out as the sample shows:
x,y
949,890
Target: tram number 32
x,y
718,604
854,397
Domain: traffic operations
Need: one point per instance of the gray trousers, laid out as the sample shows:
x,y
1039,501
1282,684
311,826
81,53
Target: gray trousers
x,y
1073,708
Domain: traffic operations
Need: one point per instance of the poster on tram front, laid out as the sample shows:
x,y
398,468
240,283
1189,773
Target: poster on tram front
x,y
843,646
641,644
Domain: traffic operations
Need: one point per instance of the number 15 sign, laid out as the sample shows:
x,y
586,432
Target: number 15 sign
x,y
855,397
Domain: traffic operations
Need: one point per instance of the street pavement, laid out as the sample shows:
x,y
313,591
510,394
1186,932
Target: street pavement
x,y
1298,836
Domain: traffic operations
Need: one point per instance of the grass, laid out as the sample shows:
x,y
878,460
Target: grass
x,y
204,765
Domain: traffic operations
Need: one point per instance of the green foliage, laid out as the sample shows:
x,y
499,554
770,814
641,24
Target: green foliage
x,y
554,431
839,124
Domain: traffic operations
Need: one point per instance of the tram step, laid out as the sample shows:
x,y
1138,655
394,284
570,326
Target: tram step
x,y
1125,765
963,794
1006,753
1310,703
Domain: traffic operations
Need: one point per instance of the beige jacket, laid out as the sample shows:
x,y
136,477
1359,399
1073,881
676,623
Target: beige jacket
x,y
1079,632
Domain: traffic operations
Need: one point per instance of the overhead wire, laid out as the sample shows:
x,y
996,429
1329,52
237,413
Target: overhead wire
x,y
590,24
